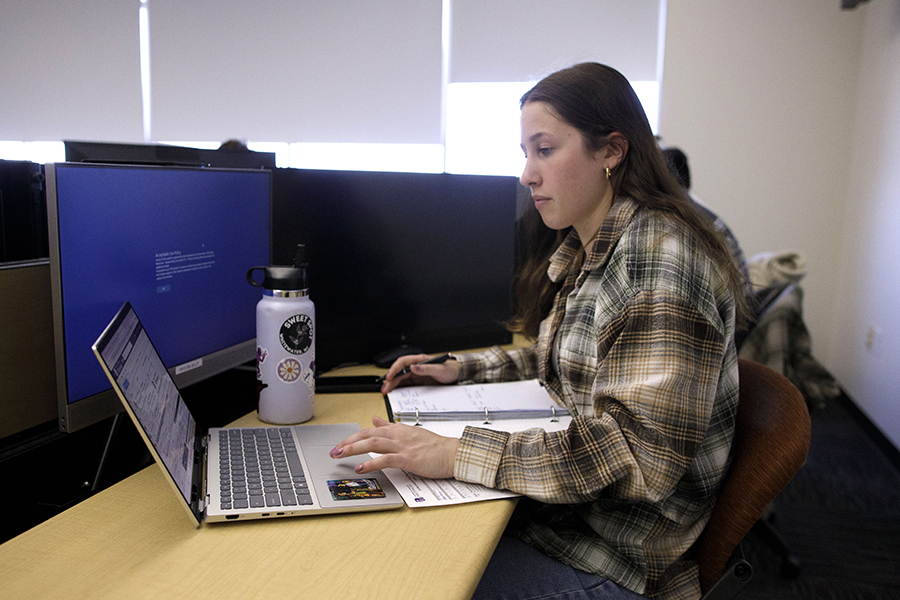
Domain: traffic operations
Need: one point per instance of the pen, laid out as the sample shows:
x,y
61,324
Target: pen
x,y
431,361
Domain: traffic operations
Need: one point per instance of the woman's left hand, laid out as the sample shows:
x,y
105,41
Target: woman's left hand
x,y
406,447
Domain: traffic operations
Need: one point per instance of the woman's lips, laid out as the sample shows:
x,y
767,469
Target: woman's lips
x,y
539,201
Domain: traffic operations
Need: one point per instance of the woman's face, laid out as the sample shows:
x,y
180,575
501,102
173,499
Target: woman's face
x,y
568,182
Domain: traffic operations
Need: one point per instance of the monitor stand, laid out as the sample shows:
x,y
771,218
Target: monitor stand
x,y
385,359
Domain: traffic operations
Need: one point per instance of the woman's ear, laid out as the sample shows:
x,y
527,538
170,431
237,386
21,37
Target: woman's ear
x,y
615,149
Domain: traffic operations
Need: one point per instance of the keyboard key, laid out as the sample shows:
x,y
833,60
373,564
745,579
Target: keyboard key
x,y
293,460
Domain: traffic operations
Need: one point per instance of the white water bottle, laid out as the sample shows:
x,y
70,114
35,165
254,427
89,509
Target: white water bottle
x,y
285,343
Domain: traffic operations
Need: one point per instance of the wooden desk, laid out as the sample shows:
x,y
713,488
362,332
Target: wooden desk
x,y
107,548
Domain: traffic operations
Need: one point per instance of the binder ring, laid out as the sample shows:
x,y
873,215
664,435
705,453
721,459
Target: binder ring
x,y
553,418
417,418
487,416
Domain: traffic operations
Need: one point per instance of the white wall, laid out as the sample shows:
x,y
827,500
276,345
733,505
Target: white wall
x,y
790,114
869,292
760,96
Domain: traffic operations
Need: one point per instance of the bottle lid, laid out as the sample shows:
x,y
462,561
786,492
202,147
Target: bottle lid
x,y
284,278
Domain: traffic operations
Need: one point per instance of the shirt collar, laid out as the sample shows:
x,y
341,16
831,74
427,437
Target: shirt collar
x,y
611,230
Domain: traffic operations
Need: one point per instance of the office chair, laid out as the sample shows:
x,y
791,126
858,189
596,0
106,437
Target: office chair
x,y
771,440
766,300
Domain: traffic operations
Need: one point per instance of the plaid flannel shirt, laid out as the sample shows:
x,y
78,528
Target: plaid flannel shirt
x,y
647,366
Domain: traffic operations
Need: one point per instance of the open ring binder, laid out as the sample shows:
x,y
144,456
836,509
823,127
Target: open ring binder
x,y
492,402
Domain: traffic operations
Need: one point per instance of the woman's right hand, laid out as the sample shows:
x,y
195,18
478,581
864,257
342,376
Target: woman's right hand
x,y
421,374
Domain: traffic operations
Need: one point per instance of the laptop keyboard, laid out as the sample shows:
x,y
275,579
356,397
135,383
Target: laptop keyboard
x,y
260,468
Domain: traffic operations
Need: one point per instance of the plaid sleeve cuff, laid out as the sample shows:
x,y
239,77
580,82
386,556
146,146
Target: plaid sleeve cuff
x,y
478,455
469,366
497,364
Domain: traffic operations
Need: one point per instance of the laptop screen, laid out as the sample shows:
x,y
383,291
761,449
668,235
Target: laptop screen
x,y
152,396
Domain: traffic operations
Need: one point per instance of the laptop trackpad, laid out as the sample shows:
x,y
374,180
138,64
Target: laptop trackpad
x,y
337,485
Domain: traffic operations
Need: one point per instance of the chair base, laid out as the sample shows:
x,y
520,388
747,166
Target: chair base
x,y
789,566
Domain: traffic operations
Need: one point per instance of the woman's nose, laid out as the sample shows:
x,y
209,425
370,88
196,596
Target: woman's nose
x,y
529,177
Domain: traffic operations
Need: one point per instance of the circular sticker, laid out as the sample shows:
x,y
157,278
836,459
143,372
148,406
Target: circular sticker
x,y
296,334
289,370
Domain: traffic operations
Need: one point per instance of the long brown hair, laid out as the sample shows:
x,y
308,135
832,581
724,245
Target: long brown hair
x,y
598,100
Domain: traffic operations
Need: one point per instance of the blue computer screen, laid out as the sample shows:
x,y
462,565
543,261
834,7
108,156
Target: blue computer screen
x,y
175,242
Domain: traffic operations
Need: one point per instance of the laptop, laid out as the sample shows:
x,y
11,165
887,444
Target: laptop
x,y
232,474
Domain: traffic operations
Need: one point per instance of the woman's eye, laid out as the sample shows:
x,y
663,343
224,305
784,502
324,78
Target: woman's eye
x,y
540,152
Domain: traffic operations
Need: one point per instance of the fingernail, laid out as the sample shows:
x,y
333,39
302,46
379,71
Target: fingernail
x,y
335,452
358,468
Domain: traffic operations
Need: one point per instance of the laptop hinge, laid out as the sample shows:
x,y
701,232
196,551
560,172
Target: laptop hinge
x,y
200,458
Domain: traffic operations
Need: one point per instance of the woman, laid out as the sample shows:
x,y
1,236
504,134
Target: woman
x,y
634,310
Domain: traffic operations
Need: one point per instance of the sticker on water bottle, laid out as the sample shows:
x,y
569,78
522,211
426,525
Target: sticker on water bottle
x,y
261,355
309,378
296,334
289,370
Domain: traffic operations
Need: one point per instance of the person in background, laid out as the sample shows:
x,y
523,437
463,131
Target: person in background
x,y
233,144
678,164
632,309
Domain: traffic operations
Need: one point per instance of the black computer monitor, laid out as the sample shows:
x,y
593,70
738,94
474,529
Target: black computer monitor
x,y
23,211
174,241
167,155
399,259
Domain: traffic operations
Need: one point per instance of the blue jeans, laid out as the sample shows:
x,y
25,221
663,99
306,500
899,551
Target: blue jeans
x,y
517,571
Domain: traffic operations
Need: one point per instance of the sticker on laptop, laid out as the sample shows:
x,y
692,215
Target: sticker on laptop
x,y
355,489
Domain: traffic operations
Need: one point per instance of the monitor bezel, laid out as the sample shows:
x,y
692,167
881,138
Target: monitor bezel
x,y
166,155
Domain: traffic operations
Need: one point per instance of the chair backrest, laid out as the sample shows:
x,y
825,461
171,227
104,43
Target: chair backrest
x,y
771,440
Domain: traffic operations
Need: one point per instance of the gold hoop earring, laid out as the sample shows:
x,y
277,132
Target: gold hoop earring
x,y
608,174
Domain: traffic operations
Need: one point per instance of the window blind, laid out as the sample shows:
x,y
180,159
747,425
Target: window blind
x,y
527,39
354,71
70,70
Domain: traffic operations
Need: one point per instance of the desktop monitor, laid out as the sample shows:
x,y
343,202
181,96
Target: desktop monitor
x,y
164,154
23,211
174,241
399,261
